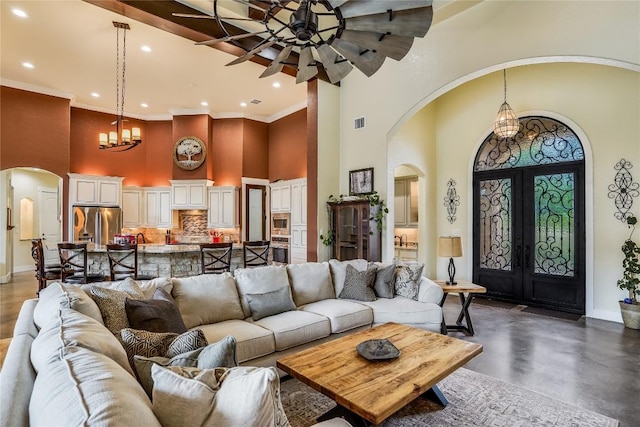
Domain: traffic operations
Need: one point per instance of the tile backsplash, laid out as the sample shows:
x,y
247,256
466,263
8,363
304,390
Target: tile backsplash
x,y
193,223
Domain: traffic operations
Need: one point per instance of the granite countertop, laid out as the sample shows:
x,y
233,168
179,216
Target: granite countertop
x,y
159,248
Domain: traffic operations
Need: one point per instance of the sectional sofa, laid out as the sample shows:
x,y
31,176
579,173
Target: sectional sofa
x,y
65,367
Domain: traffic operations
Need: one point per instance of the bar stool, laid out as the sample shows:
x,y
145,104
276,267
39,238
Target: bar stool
x,y
123,262
215,258
256,253
73,259
44,271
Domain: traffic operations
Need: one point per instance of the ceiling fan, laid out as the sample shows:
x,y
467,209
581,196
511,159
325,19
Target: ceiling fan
x,y
334,34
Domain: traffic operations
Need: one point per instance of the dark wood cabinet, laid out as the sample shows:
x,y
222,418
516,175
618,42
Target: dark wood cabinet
x,y
356,235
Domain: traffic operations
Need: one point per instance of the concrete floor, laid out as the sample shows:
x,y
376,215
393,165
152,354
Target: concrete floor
x,y
593,364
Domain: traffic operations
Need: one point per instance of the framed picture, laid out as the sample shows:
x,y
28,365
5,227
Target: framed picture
x,y
361,181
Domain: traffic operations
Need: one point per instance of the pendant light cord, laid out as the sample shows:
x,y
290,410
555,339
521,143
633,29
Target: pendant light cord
x,y
504,76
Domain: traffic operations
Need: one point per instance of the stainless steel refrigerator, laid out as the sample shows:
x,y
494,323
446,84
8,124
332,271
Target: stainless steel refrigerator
x,y
97,224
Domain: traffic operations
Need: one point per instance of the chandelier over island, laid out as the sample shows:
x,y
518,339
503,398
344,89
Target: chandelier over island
x,y
121,139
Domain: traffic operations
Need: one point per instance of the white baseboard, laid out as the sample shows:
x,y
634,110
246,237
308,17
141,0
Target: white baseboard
x,y
612,316
23,268
5,278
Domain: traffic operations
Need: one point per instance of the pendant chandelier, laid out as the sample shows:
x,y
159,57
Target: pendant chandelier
x,y
121,139
506,124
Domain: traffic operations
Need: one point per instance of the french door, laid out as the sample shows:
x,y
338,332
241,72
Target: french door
x,y
529,235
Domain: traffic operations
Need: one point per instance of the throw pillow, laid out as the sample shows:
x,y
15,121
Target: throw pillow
x,y
159,314
219,354
408,280
152,344
385,281
358,284
270,303
217,397
111,303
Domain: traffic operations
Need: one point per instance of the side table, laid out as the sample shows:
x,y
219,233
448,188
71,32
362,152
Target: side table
x,y
462,288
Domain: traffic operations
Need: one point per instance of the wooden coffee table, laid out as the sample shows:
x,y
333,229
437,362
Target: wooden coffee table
x,y
373,391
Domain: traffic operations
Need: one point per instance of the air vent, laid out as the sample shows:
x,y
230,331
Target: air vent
x,y
358,123
255,101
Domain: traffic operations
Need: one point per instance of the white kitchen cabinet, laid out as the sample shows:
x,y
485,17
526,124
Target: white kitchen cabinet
x,y
132,207
223,207
94,190
189,193
298,244
157,207
281,197
299,202
405,202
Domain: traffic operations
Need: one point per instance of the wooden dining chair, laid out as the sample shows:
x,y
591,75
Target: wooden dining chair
x,y
44,271
215,258
256,253
123,262
73,260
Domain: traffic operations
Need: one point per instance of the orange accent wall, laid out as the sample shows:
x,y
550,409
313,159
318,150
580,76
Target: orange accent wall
x,y
159,161
255,150
197,126
288,147
226,149
35,131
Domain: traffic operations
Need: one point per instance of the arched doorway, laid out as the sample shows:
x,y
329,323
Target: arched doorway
x,y
528,218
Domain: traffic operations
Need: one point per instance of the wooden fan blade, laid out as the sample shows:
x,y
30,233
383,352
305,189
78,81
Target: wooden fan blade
x,y
306,70
366,61
354,8
337,68
411,23
188,15
395,47
252,52
229,38
278,63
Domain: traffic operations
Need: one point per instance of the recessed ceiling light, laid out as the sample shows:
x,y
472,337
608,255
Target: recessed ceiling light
x,y
276,84
95,94
19,12
204,103
144,105
243,104
27,65
146,48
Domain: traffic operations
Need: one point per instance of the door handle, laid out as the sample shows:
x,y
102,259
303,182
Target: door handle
x,y
518,256
527,251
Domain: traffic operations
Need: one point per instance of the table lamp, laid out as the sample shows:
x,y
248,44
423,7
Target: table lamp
x,y
450,246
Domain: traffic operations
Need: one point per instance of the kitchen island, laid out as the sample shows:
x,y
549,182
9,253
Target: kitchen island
x,y
160,260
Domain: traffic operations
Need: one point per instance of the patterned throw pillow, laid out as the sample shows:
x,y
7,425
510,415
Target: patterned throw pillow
x,y
111,303
358,285
408,280
153,344
158,314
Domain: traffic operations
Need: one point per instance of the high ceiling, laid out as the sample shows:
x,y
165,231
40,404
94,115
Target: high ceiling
x,y
72,46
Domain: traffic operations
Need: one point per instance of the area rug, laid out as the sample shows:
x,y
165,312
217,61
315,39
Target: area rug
x,y
474,400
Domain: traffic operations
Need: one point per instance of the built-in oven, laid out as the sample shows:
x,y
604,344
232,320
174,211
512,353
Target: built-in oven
x,y
280,224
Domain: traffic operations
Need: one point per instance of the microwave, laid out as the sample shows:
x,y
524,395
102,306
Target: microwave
x,y
280,224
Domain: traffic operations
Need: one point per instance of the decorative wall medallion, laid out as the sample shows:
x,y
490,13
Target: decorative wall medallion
x,y
623,190
451,201
189,153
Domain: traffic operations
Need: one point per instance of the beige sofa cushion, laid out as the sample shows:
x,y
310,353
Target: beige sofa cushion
x,y
208,298
310,282
342,314
64,295
405,310
84,388
148,287
252,341
72,328
259,280
339,271
293,328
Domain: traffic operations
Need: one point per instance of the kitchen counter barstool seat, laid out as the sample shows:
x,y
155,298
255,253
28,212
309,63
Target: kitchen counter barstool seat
x,y
256,253
44,271
123,262
215,258
73,259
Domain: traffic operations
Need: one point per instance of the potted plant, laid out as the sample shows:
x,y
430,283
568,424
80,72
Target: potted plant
x,y
629,307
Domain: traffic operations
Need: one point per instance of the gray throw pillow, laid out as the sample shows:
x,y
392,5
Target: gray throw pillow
x,y
270,303
408,280
385,281
158,314
167,344
358,285
219,354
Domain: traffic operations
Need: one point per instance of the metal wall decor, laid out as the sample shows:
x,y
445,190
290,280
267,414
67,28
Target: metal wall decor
x,y
451,201
623,190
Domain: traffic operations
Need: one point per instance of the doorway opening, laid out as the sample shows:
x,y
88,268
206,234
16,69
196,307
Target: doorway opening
x,y
529,216
255,212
